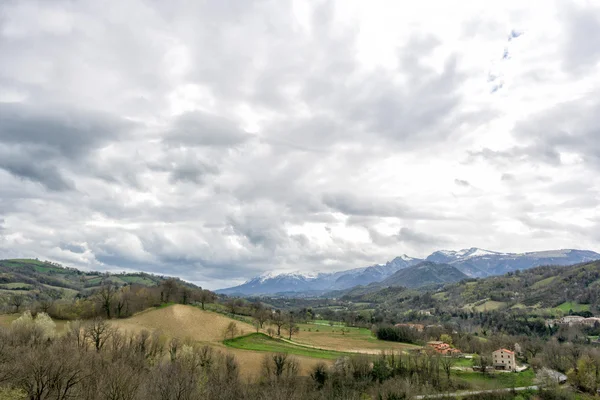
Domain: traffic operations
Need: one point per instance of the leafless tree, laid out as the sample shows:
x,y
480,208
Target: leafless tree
x,y
105,296
98,332
231,330
45,303
278,319
17,301
290,325
447,362
206,296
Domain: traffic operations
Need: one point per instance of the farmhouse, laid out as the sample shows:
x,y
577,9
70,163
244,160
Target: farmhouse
x,y
442,348
504,359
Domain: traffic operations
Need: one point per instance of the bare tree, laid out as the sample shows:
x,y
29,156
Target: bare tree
x,y
290,325
206,296
98,331
45,303
261,316
278,319
17,301
447,362
231,330
105,296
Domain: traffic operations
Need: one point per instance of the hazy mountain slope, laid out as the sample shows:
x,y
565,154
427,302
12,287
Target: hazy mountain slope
x,y
423,274
473,262
298,282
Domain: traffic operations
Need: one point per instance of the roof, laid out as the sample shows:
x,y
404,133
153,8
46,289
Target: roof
x,y
506,351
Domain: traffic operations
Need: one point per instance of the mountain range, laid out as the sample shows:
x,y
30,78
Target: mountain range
x,y
472,262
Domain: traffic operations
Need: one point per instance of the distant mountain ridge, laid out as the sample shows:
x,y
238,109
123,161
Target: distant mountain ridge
x,y
423,274
472,262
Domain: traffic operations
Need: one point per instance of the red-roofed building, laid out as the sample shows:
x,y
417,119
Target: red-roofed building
x,y
504,359
442,348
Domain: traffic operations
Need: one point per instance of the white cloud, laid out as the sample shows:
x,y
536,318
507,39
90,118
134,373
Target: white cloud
x,y
217,140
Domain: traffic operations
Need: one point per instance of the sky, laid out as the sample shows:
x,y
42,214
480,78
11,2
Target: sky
x,y
218,140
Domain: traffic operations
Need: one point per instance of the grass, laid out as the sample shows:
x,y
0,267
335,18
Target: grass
x,y
498,379
349,339
543,282
16,285
464,362
262,342
571,305
490,305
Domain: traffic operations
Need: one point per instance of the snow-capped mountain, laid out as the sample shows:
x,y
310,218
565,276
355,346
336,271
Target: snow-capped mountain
x,y
481,263
473,262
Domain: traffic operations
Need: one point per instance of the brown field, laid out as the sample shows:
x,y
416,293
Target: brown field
x,y
191,323
251,361
184,322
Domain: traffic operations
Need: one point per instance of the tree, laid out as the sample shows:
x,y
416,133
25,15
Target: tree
x,y
45,303
234,304
261,316
98,331
483,361
278,319
447,362
206,296
17,300
231,330
105,296
290,325
168,290
446,338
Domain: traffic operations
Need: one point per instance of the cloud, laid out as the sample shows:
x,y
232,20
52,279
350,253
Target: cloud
x,y
215,142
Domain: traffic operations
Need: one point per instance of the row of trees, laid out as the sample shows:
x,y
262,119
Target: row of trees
x,y
96,362
112,301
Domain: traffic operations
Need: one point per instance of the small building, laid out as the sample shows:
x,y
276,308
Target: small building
x,y
591,321
571,319
443,348
504,359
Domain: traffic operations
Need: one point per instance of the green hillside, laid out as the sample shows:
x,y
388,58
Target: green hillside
x,y
424,274
33,278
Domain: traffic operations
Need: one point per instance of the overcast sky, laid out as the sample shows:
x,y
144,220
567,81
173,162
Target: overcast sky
x,y
216,140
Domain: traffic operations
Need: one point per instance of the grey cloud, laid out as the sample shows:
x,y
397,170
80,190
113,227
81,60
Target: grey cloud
x,y
506,177
69,132
28,167
582,40
73,247
351,204
407,236
202,129
462,182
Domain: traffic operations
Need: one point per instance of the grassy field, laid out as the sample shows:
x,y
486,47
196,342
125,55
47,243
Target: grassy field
x,y
497,380
490,305
352,340
543,282
262,342
570,305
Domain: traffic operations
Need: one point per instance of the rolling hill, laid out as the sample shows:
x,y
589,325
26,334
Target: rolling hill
x,y
423,274
33,277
